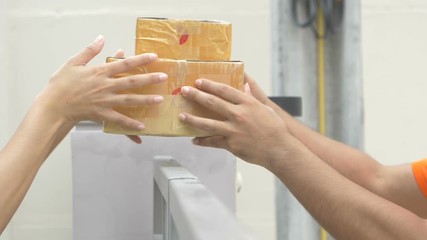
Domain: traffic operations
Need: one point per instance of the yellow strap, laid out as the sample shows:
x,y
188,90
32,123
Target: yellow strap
x,y
321,69
321,82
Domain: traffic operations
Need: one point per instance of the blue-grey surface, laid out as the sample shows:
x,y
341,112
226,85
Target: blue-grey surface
x,y
113,181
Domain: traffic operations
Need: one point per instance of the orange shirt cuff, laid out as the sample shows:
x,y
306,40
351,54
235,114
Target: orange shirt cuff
x,y
420,173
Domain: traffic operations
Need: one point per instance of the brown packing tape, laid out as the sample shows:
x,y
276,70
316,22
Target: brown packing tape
x,y
184,39
162,119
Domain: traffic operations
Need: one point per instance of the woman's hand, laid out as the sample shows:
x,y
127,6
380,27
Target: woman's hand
x,y
135,138
79,92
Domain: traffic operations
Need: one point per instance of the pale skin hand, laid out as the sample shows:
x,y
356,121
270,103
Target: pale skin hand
x,y
135,138
79,92
253,132
75,92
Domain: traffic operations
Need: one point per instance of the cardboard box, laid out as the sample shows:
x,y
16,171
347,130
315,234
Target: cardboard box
x,y
184,39
162,119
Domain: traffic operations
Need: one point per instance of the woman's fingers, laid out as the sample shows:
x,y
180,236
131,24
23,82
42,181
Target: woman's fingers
x,y
136,81
135,138
120,54
128,84
133,100
115,117
129,63
87,54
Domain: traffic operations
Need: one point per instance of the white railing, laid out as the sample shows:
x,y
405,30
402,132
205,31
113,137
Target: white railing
x,y
184,209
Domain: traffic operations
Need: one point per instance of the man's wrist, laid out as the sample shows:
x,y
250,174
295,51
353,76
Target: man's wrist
x,y
284,158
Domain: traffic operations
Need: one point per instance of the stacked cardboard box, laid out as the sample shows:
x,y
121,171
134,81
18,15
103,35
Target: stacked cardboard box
x,y
188,50
184,39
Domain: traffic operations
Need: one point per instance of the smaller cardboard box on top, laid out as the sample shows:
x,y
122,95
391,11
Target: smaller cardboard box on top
x,y
184,39
188,50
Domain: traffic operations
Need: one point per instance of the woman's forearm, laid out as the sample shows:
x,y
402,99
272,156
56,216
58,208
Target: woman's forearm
x,y
76,92
38,134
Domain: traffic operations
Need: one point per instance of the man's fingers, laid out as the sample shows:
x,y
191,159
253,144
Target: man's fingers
x,y
136,81
87,54
255,90
129,63
211,126
214,141
221,90
207,100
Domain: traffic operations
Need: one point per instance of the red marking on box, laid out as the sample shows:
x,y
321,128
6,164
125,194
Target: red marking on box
x,y
176,91
183,39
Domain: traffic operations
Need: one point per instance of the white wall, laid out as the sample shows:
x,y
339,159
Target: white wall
x,y
41,34
395,79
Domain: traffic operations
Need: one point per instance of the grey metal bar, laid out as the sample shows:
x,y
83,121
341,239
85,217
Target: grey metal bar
x,y
189,210
292,105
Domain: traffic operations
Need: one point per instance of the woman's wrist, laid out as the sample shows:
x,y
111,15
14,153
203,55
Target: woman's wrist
x,y
51,110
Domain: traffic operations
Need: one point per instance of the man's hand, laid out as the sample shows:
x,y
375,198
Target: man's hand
x,y
248,129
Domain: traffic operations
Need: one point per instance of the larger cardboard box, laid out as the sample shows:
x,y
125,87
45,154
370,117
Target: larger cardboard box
x,y
162,119
184,39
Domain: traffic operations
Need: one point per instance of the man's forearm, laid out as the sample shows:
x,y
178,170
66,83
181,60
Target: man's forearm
x,y
344,207
394,183
350,162
332,199
20,160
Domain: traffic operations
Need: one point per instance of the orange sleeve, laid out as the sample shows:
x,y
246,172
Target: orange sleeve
x,y
420,173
